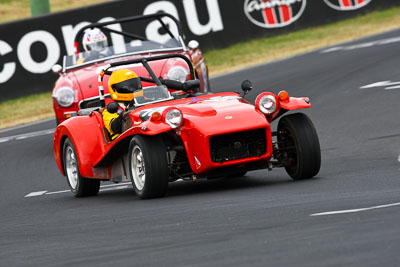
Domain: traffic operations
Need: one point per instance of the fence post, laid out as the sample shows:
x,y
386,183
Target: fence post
x,y
39,7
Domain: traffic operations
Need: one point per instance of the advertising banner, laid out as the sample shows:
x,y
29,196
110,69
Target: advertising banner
x,y
29,48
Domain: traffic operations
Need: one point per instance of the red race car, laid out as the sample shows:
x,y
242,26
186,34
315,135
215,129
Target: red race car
x,y
76,87
185,135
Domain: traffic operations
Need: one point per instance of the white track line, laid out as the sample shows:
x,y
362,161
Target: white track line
x,y
355,210
26,135
361,45
26,125
57,192
392,87
35,194
107,187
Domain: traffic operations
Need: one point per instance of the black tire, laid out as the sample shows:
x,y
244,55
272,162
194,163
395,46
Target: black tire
x,y
299,145
148,166
80,186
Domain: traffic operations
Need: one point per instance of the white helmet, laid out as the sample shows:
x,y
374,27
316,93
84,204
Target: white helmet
x,y
94,40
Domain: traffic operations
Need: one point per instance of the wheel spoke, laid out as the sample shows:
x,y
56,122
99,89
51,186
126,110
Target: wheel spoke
x,y
138,168
71,167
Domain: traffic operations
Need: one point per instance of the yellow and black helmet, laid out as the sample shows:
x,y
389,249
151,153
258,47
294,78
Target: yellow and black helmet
x,y
123,84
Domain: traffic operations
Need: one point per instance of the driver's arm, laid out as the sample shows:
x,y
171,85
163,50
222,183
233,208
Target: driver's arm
x,y
113,123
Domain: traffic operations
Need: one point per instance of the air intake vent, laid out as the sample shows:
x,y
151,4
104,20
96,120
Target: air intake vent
x,y
238,145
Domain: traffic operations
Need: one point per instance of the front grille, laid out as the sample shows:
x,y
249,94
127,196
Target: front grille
x,y
238,145
91,103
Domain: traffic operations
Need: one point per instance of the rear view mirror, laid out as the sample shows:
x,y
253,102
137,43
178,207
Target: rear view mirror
x,y
246,87
56,69
193,44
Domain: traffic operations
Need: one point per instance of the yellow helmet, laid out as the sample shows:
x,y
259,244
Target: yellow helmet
x,y
123,84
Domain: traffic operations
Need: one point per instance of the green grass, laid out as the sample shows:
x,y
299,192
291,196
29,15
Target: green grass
x,y
242,55
26,109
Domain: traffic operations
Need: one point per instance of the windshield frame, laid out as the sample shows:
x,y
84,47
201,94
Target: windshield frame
x,y
145,62
104,59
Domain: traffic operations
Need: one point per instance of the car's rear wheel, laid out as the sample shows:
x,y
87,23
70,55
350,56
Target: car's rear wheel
x,y
299,146
148,166
80,186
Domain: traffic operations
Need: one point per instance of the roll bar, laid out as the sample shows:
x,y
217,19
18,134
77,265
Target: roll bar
x,y
143,61
158,16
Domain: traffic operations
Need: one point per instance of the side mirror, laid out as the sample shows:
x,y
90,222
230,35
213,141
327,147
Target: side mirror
x,y
56,69
112,107
193,45
246,86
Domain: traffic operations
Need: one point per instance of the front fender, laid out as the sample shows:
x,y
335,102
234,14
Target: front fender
x,y
113,150
295,103
152,128
292,103
87,138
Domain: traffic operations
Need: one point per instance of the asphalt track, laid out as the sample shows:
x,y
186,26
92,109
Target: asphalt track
x,y
347,216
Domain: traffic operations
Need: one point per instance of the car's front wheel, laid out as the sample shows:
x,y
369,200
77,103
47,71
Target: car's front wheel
x,y
148,166
299,146
80,186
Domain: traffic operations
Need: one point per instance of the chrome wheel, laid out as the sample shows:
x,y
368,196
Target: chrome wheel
x,y
138,168
148,166
80,186
71,167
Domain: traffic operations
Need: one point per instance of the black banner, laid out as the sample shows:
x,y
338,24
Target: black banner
x,y
29,48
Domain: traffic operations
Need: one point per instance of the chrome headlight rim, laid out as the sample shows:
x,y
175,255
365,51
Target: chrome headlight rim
x,y
65,96
178,73
267,104
173,117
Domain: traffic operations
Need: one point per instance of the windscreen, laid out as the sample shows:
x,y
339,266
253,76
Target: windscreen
x,y
132,48
152,94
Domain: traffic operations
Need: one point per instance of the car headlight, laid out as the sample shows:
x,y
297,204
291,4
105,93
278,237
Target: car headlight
x,y
178,73
267,104
173,117
65,96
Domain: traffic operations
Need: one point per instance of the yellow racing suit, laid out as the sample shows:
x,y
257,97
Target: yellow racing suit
x,y
108,119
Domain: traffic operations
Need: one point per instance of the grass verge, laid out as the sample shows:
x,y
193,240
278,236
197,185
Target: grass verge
x,y
240,56
26,109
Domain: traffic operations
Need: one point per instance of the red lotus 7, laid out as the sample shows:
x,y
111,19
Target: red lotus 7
x,y
185,135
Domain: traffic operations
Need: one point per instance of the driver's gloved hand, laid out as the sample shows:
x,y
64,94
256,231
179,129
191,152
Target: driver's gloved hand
x,y
116,124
